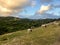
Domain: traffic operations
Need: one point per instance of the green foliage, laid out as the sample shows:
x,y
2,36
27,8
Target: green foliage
x,y
12,24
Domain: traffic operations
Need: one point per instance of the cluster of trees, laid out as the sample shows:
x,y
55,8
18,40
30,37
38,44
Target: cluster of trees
x,y
11,24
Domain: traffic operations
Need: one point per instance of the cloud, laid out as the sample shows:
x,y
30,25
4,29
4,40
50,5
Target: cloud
x,y
56,5
8,7
44,16
52,15
43,9
46,1
33,4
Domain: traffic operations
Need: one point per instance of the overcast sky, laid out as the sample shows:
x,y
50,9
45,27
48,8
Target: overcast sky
x,y
30,8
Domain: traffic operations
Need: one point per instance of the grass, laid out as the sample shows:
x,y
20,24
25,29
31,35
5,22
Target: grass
x,y
39,36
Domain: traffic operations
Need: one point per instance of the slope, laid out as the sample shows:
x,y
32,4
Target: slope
x,y
39,36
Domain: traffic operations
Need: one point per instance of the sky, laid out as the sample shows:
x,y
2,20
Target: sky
x,y
33,9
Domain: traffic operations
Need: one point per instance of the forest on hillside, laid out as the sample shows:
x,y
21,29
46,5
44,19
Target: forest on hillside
x,y
12,24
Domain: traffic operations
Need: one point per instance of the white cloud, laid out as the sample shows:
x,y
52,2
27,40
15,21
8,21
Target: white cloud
x,y
8,7
43,9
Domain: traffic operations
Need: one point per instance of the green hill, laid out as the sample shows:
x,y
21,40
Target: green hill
x,y
13,24
49,35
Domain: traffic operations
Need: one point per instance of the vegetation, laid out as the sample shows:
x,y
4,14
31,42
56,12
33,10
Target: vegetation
x,y
12,24
49,35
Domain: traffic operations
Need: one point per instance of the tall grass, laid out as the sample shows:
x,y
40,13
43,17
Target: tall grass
x,y
39,36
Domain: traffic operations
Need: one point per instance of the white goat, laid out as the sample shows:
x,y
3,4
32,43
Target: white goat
x,y
44,25
29,30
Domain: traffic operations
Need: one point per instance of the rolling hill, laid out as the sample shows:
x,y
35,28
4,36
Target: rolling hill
x,y
49,35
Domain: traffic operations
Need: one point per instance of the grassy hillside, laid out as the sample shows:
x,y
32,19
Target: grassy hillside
x,y
12,24
49,35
